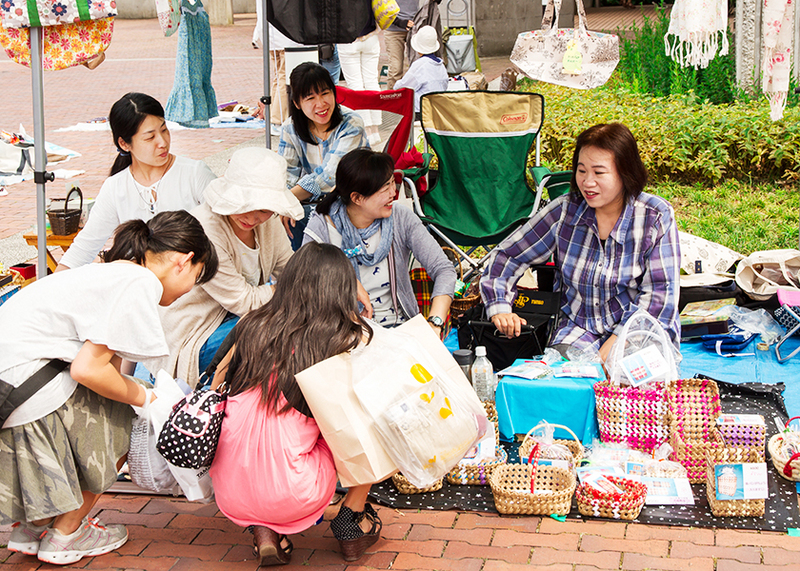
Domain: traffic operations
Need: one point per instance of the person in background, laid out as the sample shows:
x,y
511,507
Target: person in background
x,y
360,67
62,448
241,217
427,73
145,179
379,237
318,133
290,476
616,249
395,38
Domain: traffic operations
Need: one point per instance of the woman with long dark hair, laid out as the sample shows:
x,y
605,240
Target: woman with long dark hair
x,y
379,237
62,447
145,179
615,246
317,134
273,470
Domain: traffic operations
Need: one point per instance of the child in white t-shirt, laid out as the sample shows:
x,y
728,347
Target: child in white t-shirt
x,y
428,73
61,448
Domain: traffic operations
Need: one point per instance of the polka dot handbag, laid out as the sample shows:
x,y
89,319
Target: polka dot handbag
x,y
190,435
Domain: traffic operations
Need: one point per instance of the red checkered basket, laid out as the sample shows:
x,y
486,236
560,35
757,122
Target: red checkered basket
x,y
637,417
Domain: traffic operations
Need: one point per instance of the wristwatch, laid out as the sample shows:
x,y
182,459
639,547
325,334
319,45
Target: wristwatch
x,y
436,321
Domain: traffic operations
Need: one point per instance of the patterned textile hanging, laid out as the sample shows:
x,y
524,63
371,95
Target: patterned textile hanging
x,y
777,29
697,31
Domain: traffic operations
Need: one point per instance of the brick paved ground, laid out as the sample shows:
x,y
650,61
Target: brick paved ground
x,y
169,534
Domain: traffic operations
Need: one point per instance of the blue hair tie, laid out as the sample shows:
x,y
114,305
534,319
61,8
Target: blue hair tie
x,y
123,153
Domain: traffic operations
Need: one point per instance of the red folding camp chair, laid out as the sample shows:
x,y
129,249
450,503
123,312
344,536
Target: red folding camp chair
x,y
400,102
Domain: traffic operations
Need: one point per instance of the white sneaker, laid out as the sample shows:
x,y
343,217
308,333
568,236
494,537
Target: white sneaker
x,y
274,130
25,537
91,538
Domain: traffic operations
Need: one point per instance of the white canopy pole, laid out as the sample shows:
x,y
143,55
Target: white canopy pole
x,y
266,99
40,174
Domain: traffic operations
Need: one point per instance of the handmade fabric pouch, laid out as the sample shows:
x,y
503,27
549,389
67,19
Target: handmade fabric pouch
x,y
728,344
190,436
169,15
574,58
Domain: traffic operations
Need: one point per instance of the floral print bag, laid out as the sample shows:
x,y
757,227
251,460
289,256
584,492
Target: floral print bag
x,y
64,46
574,58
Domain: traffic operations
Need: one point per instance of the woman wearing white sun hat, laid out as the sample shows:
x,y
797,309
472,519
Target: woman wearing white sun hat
x,y
241,216
428,73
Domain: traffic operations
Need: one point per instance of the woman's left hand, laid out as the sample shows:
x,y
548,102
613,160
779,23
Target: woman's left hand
x,y
363,297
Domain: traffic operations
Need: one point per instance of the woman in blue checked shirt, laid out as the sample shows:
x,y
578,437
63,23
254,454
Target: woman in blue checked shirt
x,y
317,134
615,246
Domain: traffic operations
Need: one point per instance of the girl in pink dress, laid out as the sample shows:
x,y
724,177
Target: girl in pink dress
x,y
272,469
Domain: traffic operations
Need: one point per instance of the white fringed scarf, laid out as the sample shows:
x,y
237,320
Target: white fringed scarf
x,y
777,30
697,30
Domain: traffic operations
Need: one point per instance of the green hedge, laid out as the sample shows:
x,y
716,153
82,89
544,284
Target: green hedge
x,y
680,138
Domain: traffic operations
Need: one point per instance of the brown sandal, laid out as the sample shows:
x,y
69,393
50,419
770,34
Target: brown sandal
x,y
354,541
268,547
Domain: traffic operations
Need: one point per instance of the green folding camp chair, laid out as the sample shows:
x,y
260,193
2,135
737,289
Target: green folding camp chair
x,y
482,140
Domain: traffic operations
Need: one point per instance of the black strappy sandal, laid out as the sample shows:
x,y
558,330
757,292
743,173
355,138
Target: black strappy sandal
x,y
354,541
268,547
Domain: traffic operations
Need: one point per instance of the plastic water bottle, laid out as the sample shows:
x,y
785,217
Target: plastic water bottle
x,y
483,375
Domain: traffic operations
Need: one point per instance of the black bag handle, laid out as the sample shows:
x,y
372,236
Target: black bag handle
x,y
14,397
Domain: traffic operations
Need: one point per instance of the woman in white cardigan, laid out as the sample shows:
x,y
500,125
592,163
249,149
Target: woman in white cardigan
x,y
241,217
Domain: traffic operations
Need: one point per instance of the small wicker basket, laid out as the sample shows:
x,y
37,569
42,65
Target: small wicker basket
x,y
637,417
405,487
730,508
476,474
511,487
471,297
627,505
65,222
694,407
574,446
782,448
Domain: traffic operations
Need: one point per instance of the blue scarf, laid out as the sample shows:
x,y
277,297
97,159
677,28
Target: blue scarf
x,y
353,238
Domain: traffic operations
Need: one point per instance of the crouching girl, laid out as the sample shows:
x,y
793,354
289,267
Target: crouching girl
x,y
61,448
272,469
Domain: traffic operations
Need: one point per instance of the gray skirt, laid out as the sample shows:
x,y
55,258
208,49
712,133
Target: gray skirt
x,y
47,463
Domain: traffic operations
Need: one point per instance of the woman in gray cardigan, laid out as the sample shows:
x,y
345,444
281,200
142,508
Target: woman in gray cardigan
x,y
378,237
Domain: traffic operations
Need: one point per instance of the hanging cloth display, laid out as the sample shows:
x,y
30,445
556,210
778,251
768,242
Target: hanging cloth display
x,y
193,101
313,22
777,30
43,13
697,31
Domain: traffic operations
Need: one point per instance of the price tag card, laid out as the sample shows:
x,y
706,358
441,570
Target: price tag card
x,y
644,365
741,481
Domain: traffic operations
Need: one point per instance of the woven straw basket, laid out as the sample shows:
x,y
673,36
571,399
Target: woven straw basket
x,y
694,407
511,486
476,474
634,416
593,502
574,446
461,304
744,436
405,487
731,508
786,463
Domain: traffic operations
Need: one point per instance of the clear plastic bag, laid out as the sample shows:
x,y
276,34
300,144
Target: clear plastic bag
x,y
755,321
661,467
543,434
426,420
643,338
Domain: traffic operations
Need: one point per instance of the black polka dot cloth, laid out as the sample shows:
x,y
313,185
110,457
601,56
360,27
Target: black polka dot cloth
x,y
190,436
780,514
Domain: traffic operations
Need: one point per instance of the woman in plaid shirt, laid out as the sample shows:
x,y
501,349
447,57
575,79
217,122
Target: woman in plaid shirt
x,y
615,246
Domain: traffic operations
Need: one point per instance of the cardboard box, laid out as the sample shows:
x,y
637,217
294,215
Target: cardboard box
x,y
701,318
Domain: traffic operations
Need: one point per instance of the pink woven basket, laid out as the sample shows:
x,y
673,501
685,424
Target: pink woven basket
x,y
694,407
633,416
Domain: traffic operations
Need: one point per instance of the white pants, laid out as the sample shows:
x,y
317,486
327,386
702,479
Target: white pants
x,y
360,67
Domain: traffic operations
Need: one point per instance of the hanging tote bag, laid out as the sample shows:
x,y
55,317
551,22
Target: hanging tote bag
x,y
169,15
385,11
574,58
48,13
64,46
